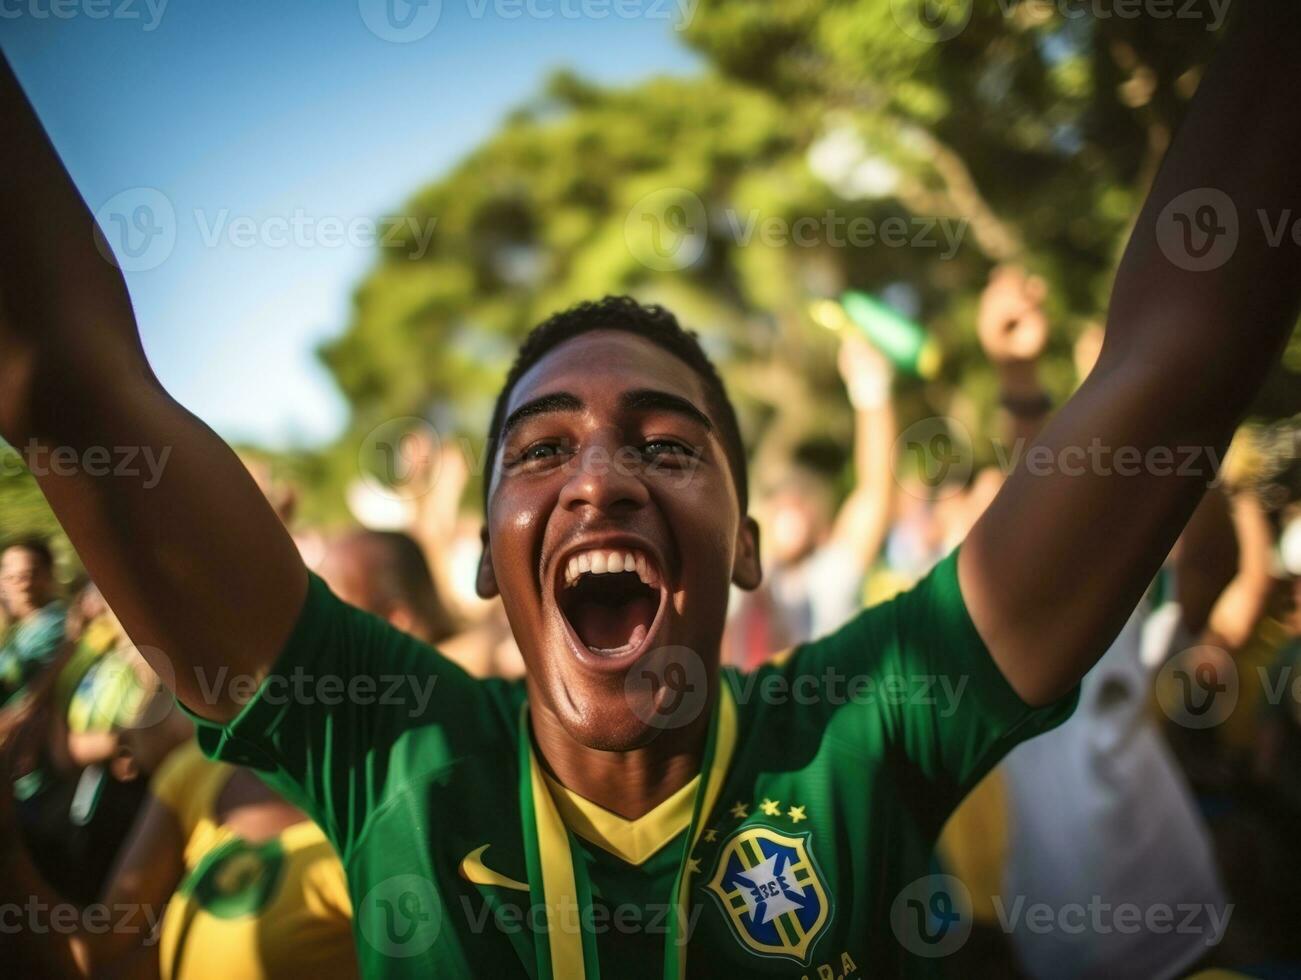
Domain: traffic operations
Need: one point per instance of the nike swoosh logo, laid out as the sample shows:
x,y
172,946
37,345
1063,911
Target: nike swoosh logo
x,y
476,872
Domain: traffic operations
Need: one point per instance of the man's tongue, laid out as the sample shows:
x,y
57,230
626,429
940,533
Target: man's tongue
x,y
613,627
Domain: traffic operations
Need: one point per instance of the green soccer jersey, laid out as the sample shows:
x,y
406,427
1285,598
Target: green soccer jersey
x,y
832,771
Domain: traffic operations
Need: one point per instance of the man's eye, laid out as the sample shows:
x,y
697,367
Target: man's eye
x,y
543,452
540,450
666,448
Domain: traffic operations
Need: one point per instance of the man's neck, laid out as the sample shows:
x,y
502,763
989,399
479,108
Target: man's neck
x,y
630,783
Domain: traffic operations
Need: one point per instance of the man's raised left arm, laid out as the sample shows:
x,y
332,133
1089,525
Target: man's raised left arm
x,y
1205,297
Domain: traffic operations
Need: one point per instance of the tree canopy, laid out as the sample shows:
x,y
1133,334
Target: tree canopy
x,y
900,147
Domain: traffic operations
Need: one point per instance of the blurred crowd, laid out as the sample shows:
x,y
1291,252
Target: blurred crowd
x,y
1175,788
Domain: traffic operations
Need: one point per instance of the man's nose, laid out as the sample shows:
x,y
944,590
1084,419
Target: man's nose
x,y
607,477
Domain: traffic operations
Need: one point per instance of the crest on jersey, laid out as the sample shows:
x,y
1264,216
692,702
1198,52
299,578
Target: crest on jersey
x,y
770,888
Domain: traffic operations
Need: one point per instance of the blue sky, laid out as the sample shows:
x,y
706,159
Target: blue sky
x,y
275,132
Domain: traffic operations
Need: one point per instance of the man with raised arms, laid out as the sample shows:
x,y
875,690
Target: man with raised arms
x,y
629,808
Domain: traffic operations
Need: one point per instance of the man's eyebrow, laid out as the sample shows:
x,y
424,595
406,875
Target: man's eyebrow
x,y
651,399
560,401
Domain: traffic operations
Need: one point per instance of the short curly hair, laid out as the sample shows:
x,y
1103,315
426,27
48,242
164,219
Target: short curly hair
x,y
657,325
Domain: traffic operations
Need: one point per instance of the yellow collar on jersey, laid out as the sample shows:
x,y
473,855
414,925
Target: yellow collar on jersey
x,y
634,841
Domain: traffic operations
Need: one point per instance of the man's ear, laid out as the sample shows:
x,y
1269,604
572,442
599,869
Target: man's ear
x,y
746,571
485,582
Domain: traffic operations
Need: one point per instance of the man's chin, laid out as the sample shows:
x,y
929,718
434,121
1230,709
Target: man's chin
x,y
608,723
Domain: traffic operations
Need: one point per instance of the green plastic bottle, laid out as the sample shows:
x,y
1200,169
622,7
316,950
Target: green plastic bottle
x,y
902,341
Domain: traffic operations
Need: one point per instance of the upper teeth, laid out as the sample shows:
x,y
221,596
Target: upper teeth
x,y
600,562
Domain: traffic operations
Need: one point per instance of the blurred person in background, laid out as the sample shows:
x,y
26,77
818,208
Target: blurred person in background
x,y
1278,747
1100,809
1245,766
1097,810
817,555
1245,633
483,643
77,795
385,573
36,616
219,877
224,876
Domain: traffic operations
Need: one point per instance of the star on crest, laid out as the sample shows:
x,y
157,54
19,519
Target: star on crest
x,y
771,808
740,810
796,813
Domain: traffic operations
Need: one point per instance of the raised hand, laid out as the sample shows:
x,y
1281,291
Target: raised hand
x,y
1011,323
867,372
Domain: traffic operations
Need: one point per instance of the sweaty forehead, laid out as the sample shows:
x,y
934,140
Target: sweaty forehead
x,y
600,365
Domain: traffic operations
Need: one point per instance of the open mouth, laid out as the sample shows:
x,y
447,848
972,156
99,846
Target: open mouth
x,y
611,598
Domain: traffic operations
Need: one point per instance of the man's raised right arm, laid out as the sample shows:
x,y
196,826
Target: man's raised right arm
x,y
186,550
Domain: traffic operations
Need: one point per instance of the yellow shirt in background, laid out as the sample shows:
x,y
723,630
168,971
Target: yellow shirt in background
x,y
275,909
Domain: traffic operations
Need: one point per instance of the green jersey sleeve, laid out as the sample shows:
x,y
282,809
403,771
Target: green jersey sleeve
x,y
910,682
352,712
